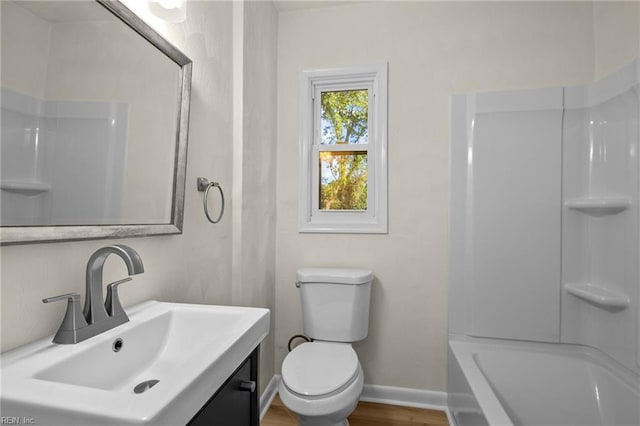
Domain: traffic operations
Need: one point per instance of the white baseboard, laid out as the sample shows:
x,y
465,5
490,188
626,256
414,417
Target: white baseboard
x,y
405,397
268,394
451,419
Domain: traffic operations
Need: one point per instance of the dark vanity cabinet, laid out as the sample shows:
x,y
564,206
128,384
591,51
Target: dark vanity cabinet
x,y
236,402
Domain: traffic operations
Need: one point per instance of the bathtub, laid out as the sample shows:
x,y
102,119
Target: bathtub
x,y
495,382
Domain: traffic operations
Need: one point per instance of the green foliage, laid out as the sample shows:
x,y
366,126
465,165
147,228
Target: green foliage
x,y
343,174
344,116
346,187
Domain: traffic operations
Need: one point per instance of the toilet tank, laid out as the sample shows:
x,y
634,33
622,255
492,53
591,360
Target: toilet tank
x,y
335,303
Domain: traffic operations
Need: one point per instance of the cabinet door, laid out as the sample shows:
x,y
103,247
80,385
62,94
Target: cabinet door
x,y
233,404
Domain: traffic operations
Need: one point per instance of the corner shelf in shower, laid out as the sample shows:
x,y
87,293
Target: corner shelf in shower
x,y
24,187
598,295
599,206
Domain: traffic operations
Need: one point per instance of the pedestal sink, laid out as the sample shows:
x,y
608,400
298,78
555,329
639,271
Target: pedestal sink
x,y
159,368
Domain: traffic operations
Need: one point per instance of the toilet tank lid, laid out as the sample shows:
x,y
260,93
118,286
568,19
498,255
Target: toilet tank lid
x,y
334,275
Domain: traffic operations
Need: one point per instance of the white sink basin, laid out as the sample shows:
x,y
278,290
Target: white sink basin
x,y
190,349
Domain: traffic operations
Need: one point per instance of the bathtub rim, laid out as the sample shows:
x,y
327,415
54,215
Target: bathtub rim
x,y
483,393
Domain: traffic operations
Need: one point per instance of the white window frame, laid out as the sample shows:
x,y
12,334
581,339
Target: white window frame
x,y
312,83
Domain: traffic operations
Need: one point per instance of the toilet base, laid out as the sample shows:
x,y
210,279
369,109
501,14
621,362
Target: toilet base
x,y
314,421
337,418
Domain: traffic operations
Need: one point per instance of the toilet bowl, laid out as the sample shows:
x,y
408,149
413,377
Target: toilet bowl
x,y
322,383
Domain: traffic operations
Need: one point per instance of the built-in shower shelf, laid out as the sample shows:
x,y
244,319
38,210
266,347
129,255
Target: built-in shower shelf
x,y
599,205
597,295
24,187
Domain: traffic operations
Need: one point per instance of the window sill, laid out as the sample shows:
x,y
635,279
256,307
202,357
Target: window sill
x,y
342,228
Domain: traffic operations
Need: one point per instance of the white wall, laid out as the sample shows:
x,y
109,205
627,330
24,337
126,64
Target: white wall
x,y
433,50
255,160
26,71
616,35
192,267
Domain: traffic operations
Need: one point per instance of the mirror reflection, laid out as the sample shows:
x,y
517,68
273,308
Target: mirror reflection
x,y
90,116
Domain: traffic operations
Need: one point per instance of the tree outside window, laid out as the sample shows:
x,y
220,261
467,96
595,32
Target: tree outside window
x,y
343,174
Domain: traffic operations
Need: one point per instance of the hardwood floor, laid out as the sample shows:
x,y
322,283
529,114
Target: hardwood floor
x,y
366,414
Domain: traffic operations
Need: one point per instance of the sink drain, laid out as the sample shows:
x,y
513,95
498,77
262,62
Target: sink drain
x,y
117,345
145,386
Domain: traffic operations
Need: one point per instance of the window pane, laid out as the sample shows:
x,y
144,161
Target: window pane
x,y
344,117
343,180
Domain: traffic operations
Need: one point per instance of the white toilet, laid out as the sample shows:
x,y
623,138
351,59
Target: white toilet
x,y
322,380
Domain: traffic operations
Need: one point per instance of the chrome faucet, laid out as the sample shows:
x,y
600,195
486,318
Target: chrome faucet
x,y
98,315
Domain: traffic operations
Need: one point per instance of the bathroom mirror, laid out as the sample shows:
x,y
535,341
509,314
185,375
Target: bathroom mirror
x,y
95,108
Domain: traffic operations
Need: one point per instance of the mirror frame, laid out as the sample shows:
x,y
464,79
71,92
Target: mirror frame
x,y
11,235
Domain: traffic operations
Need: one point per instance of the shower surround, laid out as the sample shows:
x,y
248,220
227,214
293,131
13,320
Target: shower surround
x,y
544,280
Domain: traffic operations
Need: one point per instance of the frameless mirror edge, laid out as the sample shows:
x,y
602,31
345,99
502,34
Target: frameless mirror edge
x,y
14,235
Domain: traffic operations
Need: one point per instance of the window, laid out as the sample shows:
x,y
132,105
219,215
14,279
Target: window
x,y
343,137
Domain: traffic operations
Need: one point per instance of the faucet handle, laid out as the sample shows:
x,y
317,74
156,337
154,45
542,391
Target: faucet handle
x,y
72,297
73,318
112,304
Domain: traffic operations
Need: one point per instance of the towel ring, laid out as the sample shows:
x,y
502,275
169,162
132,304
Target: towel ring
x,y
204,185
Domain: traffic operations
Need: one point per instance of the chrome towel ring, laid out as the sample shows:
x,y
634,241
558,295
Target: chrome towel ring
x,y
204,185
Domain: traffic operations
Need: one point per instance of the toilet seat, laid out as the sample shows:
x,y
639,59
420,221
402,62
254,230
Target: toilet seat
x,y
319,368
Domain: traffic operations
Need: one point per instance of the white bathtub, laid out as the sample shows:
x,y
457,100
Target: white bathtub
x,y
498,382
